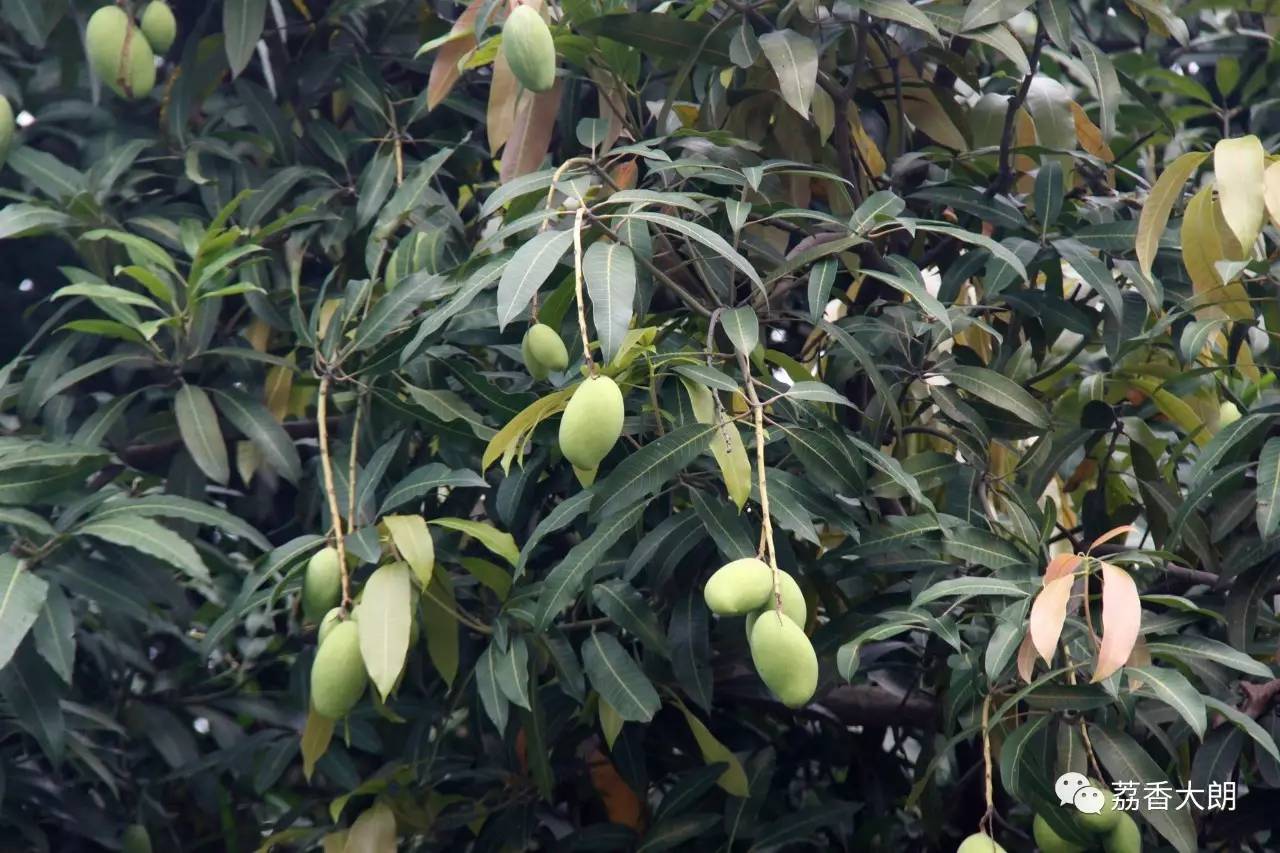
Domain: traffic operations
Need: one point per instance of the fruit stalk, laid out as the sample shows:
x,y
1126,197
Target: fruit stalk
x,y
326,465
577,284
766,522
546,223
988,816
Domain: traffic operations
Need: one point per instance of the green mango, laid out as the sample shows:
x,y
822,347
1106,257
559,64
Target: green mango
x,y
119,53
1050,841
159,26
739,587
1104,821
785,659
338,677
135,839
979,842
1125,837
529,49
543,351
331,619
793,605
7,127
592,422
321,584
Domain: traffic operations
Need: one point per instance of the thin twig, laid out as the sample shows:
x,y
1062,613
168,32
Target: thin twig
x,y
1005,176
326,466
577,284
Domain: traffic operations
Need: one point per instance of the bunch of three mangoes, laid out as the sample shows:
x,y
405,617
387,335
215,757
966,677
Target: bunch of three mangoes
x,y
122,53
780,649
1114,831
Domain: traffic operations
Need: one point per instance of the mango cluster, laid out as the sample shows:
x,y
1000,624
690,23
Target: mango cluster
x,y
123,53
780,649
529,49
1115,831
338,677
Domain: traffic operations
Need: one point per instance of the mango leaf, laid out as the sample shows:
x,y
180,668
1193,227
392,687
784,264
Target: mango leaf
x,y
645,471
198,426
256,423
22,595
1000,391
151,538
1172,688
794,58
412,539
1238,165
1121,621
527,270
1125,759
242,22
383,618
743,328
617,679
566,580
497,541
1268,489
609,270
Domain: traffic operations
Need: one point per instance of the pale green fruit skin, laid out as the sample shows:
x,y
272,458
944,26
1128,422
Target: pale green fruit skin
x,y
329,622
1228,413
986,120
547,346
1104,821
321,585
1050,841
592,422
739,587
785,659
1126,837
529,49
117,48
135,839
338,676
6,128
159,26
793,606
980,842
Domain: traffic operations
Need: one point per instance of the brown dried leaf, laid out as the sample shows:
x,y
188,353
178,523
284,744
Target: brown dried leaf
x,y
501,113
1026,658
531,132
444,70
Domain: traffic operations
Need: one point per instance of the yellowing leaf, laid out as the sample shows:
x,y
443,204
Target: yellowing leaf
x,y
373,832
1175,409
726,443
1090,135
734,778
1271,192
610,722
1048,613
868,149
1160,204
794,58
1202,247
316,735
508,442
412,539
384,618
440,624
928,116
1238,172
1121,619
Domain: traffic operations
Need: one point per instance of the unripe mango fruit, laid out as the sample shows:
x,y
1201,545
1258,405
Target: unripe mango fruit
x,y
135,839
159,26
739,587
1104,821
1126,837
793,606
6,128
543,351
321,585
592,422
331,620
529,49
785,659
1228,413
1049,841
979,842
119,53
338,676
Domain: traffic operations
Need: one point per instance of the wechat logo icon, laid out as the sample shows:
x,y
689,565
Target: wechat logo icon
x,y
1075,789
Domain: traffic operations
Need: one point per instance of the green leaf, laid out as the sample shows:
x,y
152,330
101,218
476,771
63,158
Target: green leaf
x,y
566,580
645,471
22,595
734,779
426,479
26,220
151,538
617,679
528,269
55,632
743,328
909,280
495,540
198,426
1268,489
822,276
1246,724
393,309
663,35
242,22
968,588
440,624
609,270
1191,648
629,610
495,702
1049,191
1000,391
174,506
1124,759
383,618
32,692
984,13
794,58
904,13
375,183
256,422
1172,688
511,670
703,235
412,538
1107,83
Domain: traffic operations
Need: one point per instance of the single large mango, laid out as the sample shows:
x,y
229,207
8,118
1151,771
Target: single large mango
x,y
793,605
135,839
119,53
1125,837
543,351
6,128
785,659
338,677
1048,839
321,585
592,422
979,842
739,587
529,49
159,26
